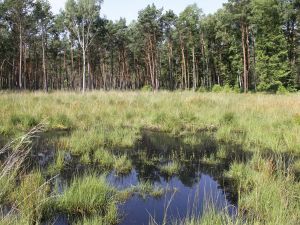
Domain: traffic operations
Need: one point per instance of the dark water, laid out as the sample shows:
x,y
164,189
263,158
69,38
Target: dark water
x,y
197,185
192,191
183,200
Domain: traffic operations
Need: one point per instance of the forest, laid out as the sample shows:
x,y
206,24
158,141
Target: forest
x,y
247,45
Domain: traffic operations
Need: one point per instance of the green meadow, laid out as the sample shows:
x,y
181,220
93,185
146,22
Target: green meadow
x,y
97,132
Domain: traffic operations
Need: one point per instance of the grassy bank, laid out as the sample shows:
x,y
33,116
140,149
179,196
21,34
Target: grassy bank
x,y
97,124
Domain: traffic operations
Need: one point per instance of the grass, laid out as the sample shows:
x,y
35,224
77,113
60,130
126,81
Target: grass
x,y
31,196
101,123
146,188
58,165
98,117
87,195
122,165
170,169
104,158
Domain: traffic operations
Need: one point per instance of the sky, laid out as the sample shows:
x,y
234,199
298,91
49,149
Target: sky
x,y
114,9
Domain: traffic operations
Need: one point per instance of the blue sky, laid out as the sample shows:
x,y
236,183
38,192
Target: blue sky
x,y
114,9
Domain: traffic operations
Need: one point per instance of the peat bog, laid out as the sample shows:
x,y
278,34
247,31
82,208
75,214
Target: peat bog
x,y
142,158
195,185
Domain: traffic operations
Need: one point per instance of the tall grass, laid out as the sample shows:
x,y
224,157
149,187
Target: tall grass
x,y
16,153
29,197
261,125
87,195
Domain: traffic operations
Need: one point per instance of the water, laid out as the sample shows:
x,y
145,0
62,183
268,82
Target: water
x,y
183,200
196,186
193,190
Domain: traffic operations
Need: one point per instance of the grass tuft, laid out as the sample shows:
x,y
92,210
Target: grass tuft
x,y
87,195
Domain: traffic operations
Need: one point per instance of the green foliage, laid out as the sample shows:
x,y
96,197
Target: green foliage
x,y
237,89
262,123
122,165
171,168
202,89
297,118
146,188
58,165
61,121
227,89
105,159
31,196
228,118
217,88
147,88
281,90
88,195
159,50
24,120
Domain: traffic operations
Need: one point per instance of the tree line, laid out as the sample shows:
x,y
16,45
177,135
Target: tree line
x,y
247,45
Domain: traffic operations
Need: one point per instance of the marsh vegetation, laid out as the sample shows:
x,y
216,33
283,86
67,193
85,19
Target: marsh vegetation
x,y
142,157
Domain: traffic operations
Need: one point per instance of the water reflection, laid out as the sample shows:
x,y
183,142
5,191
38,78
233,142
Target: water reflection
x,y
196,183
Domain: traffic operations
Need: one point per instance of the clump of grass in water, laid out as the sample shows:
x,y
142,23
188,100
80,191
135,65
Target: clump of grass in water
x,y
59,163
110,218
88,195
122,165
145,189
104,158
171,168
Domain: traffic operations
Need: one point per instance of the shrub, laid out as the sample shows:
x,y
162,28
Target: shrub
x,y
147,88
236,89
227,89
281,90
202,89
217,88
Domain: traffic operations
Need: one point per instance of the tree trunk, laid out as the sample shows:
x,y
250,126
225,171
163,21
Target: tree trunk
x,y
244,59
183,64
194,70
83,70
72,67
20,62
44,65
